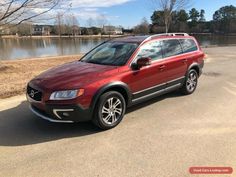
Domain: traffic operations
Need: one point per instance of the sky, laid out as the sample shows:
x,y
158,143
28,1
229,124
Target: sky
x,y
129,13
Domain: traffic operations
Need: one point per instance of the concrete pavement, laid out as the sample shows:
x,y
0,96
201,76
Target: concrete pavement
x,y
162,137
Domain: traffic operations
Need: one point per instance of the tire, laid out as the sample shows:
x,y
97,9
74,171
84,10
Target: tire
x,y
109,110
190,83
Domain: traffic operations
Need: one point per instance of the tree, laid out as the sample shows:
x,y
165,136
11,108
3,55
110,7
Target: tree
x,y
225,13
157,18
168,6
194,15
202,16
60,25
75,25
101,21
178,21
142,28
24,29
19,11
224,19
72,25
90,23
182,16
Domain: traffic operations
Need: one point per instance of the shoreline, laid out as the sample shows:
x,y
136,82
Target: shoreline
x,y
97,36
56,36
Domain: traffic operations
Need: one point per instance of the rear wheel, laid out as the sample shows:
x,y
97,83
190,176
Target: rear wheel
x,y
191,82
109,110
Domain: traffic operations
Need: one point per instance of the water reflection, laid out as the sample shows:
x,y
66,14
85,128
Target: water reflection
x,y
29,48
206,40
19,48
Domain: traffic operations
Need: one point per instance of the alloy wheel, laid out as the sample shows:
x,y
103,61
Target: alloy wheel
x,y
192,81
112,110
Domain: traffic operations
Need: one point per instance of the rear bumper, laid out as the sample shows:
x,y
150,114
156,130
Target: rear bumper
x,y
62,113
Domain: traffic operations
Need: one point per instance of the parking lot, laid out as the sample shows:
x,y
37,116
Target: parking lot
x,y
162,137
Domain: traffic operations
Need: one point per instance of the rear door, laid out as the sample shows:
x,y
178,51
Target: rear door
x,y
175,61
191,51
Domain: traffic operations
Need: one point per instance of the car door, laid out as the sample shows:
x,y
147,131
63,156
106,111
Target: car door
x,y
149,79
175,61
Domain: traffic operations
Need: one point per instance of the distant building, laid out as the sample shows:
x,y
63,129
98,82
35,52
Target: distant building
x,y
5,30
112,30
43,30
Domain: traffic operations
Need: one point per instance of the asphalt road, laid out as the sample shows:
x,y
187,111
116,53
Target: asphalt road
x,y
162,137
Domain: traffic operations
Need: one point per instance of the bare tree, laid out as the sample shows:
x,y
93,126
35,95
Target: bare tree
x,y
74,25
59,23
142,28
101,20
168,6
19,11
90,23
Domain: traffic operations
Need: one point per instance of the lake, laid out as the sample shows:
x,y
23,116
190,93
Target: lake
x,y
20,48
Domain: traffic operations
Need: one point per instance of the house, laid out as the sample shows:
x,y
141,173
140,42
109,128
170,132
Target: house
x,y
112,30
5,30
44,30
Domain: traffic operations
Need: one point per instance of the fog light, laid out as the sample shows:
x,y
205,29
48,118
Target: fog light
x,y
65,114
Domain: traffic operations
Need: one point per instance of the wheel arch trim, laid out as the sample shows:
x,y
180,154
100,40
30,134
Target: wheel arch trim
x,y
193,65
109,86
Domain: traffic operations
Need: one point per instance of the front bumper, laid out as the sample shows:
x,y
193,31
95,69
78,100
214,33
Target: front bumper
x,y
62,113
45,117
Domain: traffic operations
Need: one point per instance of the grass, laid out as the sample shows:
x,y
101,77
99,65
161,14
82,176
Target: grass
x,y
14,75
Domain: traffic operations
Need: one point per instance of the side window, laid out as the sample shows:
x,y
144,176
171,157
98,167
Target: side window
x,y
188,45
152,50
171,47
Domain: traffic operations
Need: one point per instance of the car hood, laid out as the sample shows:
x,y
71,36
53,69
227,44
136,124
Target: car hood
x,y
72,75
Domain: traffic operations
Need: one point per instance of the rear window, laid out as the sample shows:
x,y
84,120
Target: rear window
x,y
171,47
188,45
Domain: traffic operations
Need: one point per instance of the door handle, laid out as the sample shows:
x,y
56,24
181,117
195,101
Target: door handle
x,y
162,67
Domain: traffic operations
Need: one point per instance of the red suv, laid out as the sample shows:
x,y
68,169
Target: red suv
x,y
115,75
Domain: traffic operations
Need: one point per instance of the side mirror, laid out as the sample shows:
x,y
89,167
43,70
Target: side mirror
x,y
141,62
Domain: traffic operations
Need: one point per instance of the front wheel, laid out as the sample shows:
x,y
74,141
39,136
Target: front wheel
x,y
191,82
109,110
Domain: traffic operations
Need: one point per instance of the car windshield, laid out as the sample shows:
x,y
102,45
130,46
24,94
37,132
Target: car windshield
x,y
111,53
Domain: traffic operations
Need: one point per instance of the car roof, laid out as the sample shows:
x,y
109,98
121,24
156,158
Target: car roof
x,y
141,39
132,39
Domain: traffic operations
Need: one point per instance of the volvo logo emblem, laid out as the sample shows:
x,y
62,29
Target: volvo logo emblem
x,y
32,93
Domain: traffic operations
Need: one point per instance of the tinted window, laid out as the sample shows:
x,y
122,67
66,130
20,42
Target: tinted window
x,y
111,53
171,47
152,50
188,45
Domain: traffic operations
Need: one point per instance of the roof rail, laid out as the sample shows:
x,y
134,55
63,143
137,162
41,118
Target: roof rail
x,y
166,34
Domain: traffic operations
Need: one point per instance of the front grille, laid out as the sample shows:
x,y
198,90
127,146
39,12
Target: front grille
x,y
34,94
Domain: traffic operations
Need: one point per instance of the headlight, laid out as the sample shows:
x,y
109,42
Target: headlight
x,y
66,94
